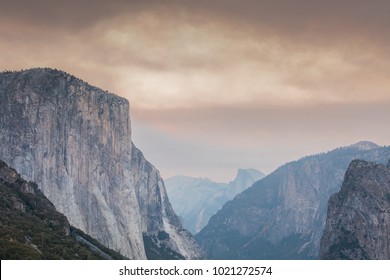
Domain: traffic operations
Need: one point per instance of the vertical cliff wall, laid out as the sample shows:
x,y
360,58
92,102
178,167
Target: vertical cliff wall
x,y
157,216
31,227
358,220
74,140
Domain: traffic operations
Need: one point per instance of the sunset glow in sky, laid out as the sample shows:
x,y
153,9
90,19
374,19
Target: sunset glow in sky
x,y
224,84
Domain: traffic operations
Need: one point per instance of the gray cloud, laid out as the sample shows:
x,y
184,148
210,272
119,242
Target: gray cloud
x,y
293,17
225,83
60,14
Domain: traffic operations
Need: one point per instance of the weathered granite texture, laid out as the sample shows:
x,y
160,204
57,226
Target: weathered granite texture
x,y
31,227
157,214
74,140
358,221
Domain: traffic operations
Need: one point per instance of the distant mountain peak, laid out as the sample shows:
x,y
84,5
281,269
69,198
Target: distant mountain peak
x,y
282,216
248,171
195,200
365,145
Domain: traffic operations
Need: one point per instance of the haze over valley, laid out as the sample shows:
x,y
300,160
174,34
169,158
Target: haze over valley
x,y
127,116
222,85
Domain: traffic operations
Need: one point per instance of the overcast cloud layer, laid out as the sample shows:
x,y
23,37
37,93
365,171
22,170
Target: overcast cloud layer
x,y
219,85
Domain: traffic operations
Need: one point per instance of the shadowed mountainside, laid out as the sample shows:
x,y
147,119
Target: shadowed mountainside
x,y
283,215
31,227
358,220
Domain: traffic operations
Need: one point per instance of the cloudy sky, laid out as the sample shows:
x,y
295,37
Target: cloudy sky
x,y
224,84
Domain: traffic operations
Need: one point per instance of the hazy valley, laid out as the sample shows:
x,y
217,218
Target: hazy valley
x,y
195,200
283,215
93,194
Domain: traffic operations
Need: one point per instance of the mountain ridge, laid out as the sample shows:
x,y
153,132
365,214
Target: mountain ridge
x,y
196,199
365,145
282,215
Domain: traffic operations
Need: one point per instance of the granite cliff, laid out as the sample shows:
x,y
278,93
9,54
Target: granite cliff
x,y
31,227
74,140
283,215
358,220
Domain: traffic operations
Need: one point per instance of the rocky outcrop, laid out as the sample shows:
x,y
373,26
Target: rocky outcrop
x,y
195,200
74,140
283,215
31,227
160,226
358,220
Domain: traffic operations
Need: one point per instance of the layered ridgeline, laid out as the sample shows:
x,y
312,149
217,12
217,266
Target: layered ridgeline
x,y
358,221
31,228
195,200
74,140
283,215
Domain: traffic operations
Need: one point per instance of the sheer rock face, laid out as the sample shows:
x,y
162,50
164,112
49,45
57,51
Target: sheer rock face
x,y
283,215
74,140
31,227
156,211
358,221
